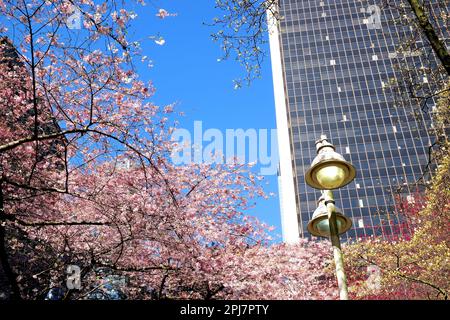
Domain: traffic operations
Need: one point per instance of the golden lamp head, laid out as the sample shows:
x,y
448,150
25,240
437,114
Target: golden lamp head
x,y
319,225
329,170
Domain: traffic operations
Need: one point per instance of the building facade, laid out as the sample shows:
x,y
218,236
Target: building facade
x,y
332,62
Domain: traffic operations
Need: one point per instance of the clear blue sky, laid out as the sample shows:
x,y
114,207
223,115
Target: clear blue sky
x,y
185,70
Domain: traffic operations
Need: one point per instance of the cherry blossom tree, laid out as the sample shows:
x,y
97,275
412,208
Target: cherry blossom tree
x,y
69,100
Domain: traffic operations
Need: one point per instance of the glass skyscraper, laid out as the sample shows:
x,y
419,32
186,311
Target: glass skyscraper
x,y
332,63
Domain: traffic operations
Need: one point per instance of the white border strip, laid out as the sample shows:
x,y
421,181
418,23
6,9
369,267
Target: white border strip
x,y
286,188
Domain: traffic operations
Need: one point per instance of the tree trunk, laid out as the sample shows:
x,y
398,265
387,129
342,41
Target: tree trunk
x,y
427,28
7,270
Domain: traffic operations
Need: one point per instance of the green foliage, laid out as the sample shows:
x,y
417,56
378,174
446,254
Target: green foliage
x,y
415,268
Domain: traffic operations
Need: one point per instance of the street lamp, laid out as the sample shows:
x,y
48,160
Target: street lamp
x,y
329,170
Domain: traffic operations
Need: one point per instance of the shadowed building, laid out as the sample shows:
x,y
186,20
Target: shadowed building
x,y
51,152
47,124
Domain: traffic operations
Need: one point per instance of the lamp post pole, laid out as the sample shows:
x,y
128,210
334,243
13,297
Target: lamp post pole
x,y
329,170
336,244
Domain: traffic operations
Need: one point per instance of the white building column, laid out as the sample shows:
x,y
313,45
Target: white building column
x,y
286,188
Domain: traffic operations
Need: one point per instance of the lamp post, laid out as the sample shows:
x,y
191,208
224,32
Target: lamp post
x,y
329,170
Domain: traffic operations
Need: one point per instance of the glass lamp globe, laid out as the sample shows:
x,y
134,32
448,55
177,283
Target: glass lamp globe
x,y
331,177
323,226
319,225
